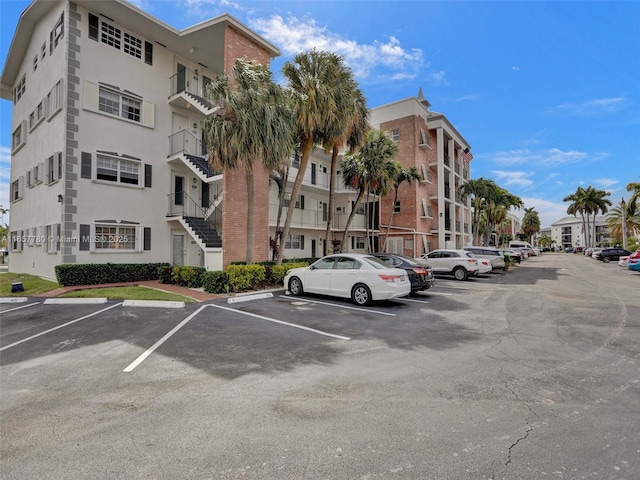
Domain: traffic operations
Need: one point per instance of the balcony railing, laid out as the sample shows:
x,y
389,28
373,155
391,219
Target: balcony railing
x,y
315,219
186,80
185,142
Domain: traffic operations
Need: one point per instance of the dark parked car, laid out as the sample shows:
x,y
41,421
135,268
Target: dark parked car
x,y
608,254
421,276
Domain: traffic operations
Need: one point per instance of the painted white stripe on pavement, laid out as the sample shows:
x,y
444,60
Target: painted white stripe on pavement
x,y
13,299
301,327
58,327
151,349
74,301
153,303
378,312
19,308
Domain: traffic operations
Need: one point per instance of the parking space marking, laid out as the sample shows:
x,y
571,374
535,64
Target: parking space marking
x,y
378,312
155,346
413,300
301,327
58,327
21,307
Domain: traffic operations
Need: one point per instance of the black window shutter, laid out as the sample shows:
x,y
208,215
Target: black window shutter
x,y
85,233
148,53
93,27
147,175
301,202
85,166
147,238
301,242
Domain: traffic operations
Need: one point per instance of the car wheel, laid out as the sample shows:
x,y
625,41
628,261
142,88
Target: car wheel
x,y
606,259
361,295
295,286
460,273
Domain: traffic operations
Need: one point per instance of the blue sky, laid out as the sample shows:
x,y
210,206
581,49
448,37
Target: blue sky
x,y
546,93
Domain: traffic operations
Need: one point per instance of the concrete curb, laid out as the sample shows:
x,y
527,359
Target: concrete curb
x,y
153,303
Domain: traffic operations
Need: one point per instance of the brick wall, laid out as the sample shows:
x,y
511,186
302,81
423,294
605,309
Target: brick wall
x,y
234,220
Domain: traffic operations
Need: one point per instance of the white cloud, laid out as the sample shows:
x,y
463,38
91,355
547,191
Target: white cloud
x,y
605,182
549,212
377,61
521,179
595,106
552,157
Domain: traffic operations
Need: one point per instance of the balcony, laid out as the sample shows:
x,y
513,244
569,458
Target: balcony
x,y
187,91
315,219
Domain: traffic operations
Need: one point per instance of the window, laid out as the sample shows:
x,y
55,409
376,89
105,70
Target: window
x,y
115,103
359,243
54,168
52,238
43,50
16,190
396,207
115,237
395,134
56,34
109,34
16,240
19,89
19,137
54,100
299,202
36,116
35,63
117,170
295,242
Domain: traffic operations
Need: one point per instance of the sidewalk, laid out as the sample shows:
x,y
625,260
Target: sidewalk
x,y
194,294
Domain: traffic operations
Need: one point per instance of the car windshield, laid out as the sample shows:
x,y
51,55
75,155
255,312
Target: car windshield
x,y
375,262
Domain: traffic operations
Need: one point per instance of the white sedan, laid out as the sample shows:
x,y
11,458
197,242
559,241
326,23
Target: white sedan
x,y
363,278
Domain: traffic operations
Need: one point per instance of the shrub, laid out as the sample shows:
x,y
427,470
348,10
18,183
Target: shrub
x,y
245,277
279,271
100,273
215,282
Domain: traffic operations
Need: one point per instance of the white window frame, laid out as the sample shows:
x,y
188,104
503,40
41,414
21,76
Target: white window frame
x,y
54,168
38,115
54,100
19,137
116,238
122,166
294,242
17,189
117,104
20,89
359,243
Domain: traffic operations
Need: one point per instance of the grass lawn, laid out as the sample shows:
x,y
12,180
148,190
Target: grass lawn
x,y
127,293
32,285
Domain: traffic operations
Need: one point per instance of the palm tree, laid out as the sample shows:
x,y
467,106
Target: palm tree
x,y
369,169
348,127
400,175
313,80
578,206
479,189
499,200
635,188
530,223
595,203
632,218
255,124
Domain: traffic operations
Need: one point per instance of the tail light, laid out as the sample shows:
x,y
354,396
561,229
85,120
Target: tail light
x,y
390,278
420,271
473,260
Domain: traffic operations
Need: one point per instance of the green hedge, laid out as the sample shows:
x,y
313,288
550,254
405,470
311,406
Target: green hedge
x,y
215,282
100,273
184,276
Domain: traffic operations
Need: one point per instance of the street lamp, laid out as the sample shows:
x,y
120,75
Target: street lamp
x,y
624,224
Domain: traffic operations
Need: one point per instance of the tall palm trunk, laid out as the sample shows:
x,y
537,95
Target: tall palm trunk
x,y
248,171
307,147
332,197
350,219
386,235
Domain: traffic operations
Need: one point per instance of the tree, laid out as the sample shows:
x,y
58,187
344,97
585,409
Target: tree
x,y
479,190
634,187
595,202
632,218
348,127
578,206
530,223
254,124
400,175
369,169
313,82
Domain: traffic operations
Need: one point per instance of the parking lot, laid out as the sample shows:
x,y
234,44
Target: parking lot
x,y
494,377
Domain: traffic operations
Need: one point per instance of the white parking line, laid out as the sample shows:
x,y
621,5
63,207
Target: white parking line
x,y
19,308
378,312
413,300
319,332
151,349
58,327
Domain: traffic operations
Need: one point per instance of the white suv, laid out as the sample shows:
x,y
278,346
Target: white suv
x,y
492,254
452,262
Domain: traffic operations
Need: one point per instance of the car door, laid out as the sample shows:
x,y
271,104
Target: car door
x,y
318,278
434,260
344,276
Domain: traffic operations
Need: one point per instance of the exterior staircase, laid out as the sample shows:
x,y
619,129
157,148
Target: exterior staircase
x,y
204,231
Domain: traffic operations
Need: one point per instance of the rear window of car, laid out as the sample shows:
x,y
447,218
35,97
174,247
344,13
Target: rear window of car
x,y
376,262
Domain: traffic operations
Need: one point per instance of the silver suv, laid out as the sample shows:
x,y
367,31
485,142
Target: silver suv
x,y
492,254
451,262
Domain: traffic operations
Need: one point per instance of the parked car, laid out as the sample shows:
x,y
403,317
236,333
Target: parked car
x,y
363,278
591,250
513,254
634,264
608,254
624,260
489,253
420,276
484,265
452,262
